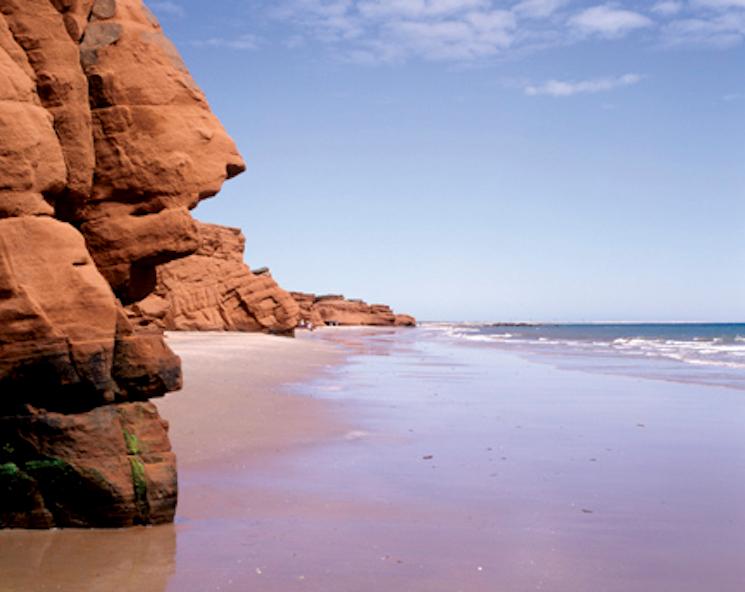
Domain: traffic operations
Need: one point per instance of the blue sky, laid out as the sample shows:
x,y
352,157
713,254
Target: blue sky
x,y
485,159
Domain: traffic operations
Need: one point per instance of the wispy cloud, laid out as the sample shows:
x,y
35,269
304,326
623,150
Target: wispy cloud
x,y
242,42
667,7
395,30
418,8
564,88
380,31
538,8
167,8
722,31
721,4
609,21
477,34
718,24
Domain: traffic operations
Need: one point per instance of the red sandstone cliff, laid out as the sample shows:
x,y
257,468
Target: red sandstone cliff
x,y
214,290
334,309
105,144
309,315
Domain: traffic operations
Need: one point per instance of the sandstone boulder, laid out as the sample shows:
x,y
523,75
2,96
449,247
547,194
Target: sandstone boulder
x,y
112,466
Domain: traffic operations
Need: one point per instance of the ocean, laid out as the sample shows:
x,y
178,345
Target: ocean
x,y
702,353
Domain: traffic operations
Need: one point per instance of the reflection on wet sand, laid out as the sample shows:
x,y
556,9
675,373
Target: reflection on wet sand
x,y
138,559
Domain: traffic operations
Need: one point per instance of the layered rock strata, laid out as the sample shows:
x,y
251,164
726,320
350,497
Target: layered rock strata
x,y
333,309
214,290
105,144
309,315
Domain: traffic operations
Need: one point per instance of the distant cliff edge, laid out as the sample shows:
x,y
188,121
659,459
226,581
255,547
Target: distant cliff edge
x,y
214,290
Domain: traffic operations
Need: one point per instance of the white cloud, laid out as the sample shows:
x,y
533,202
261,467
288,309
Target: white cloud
x,y
474,35
608,21
720,31
563,88
538,8
167,8
667,7
242,42
719,4
329,21
417,8
717,24
380,31
374,31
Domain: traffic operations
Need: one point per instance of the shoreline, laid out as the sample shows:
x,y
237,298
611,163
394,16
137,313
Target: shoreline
x,y
718,362
254,420
382,458
221,415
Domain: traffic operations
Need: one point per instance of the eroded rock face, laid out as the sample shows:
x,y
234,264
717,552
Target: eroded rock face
x,y
334,309
111,466
105,145
309,314
214,290
159,149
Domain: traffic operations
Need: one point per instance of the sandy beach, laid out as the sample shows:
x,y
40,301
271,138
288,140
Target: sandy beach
x,y
361,460
235,407
233,413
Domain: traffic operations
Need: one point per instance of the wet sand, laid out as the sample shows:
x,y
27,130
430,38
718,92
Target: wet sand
x,y
234,408
401,461
234,413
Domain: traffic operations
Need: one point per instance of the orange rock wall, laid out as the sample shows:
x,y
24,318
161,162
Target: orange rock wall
x,y
336,310
214,290
105,144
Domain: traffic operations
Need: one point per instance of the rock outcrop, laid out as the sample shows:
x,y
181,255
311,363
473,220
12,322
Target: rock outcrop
x,y
214,290
334,309
309,315
106,143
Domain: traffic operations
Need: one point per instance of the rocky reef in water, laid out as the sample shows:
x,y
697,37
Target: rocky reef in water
x,y
214,290
335,310
106,143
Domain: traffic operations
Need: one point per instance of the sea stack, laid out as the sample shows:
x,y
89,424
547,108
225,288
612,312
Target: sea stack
x,y
106,143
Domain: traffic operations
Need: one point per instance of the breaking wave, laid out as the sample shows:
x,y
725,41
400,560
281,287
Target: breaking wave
x,y
706,349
